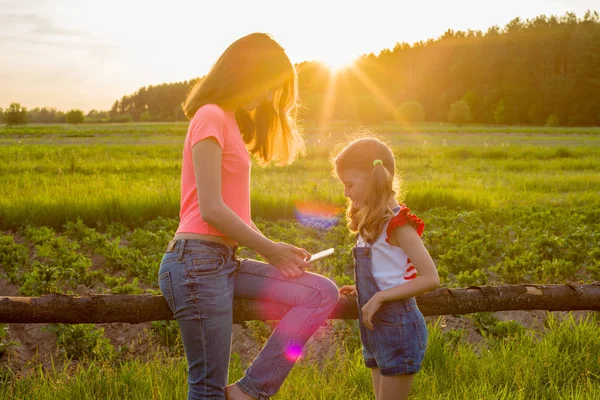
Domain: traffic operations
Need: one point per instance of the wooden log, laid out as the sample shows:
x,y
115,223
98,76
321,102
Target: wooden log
x,y
443,301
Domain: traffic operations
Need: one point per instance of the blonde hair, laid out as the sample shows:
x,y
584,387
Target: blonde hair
x,y
250,67
358,156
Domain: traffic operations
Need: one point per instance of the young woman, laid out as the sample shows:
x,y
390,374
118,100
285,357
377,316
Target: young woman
x,y
243,107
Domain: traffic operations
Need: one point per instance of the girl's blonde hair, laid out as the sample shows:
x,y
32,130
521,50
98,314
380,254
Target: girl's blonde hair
x,y
249,68
359,156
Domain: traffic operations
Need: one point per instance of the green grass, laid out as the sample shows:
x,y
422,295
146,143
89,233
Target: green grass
x,y
517,245
501,205
473,191
83,130
179,128
444,127
562,363
119,178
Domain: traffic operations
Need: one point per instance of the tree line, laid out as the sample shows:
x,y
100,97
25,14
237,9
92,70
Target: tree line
x,y
544,70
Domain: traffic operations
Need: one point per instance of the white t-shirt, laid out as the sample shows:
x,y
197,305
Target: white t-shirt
x,y
390,264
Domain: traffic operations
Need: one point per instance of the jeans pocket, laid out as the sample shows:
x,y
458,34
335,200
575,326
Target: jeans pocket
x,y
421,331
387,320
204,264
390,314
166,288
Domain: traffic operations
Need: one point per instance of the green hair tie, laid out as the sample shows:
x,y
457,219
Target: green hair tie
x,y
377,162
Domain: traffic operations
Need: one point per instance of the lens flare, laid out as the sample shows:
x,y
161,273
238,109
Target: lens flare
x,y
317,215
293,353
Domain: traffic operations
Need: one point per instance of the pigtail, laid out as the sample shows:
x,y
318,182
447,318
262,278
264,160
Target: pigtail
x,y
373,157
372,218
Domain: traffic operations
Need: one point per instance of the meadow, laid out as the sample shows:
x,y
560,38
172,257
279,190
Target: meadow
x,y
180,128
561,365
95,205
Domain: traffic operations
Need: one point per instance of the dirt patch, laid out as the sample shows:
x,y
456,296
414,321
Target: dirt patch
x,y
134,339
34,345
7,289
450,323
37,346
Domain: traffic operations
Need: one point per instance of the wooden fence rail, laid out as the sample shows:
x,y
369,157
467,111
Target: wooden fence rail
x,y
443,301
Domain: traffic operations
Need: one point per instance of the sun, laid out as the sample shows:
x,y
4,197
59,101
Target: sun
x,y
337,62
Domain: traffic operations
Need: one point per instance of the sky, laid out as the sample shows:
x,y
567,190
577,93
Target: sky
x,y
86,54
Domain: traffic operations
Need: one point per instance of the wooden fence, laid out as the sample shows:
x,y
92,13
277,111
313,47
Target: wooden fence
x,y
442,301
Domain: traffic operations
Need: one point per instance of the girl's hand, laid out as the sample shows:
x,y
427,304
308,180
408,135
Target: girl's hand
x,y
369,310
290,260
348,289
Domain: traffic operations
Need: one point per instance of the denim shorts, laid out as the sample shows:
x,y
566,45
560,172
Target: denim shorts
x,y
398,341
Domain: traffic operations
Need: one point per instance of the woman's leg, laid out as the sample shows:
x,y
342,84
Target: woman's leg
x,y
201,301
312,298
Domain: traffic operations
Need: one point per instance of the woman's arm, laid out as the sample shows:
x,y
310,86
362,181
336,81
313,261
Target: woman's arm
x,y
253,225
206,156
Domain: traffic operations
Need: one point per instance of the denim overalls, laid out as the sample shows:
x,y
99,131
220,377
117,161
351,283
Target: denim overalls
x,y
397,343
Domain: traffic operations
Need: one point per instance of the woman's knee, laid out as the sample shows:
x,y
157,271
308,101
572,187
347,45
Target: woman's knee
x,y
329,292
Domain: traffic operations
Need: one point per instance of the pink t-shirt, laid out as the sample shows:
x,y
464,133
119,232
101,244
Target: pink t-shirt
x,y
212,121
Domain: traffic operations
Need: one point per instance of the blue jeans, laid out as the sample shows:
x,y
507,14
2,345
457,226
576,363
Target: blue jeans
x,y
199,280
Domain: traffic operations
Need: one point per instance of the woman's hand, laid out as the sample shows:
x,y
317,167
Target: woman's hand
x,y
290,260
369,310
348,289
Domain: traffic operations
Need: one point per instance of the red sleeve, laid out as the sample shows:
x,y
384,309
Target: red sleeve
x,y
209,121
404,217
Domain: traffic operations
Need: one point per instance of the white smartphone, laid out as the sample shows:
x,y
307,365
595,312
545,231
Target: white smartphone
x,y
321,255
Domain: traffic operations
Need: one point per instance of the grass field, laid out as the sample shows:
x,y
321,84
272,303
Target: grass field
x,y
120,178
501,205
561,364
179,128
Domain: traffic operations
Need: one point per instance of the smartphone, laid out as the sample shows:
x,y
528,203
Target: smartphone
x,y
320,255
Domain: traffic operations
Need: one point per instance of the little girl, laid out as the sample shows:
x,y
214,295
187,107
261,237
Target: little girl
x,y
392,266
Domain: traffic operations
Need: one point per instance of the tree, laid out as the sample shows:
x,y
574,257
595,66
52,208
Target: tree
x,y
15,115
311,107
45,116
146,117
410,112
474,101
97,116
75,117
367,110
1,114
460,113
520,73
114,110
536,114
552,120
504,113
